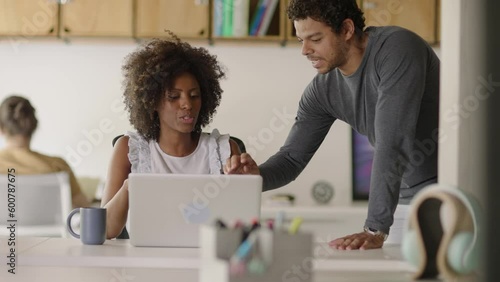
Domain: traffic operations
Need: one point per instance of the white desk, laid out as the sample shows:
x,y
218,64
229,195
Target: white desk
x,y
325,222
84,274
61,259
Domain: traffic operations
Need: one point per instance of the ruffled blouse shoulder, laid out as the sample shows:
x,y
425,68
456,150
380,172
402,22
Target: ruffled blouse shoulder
x,y
139,153
219,151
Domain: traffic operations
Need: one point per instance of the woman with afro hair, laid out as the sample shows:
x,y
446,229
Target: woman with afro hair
x,y
171,91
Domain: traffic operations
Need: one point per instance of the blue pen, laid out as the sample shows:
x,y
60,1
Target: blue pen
x,y
245,247
236,262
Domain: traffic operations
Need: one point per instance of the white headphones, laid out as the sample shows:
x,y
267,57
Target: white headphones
x,y
451,247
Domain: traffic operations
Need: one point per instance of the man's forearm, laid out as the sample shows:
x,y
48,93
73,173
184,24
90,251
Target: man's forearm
x,y
278,171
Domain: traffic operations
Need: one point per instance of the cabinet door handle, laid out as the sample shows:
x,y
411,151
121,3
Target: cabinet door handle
x,y
67,30
51,30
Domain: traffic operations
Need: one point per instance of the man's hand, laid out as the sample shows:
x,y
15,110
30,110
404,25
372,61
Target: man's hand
x,y
241,164
362,241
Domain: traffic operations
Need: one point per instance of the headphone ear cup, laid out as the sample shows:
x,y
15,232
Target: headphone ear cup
x,y
409,248
458,258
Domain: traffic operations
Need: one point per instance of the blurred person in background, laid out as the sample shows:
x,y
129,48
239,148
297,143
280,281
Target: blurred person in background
x,y
17,125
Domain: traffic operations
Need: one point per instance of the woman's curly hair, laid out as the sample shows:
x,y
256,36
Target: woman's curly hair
x,y
331,12
151,70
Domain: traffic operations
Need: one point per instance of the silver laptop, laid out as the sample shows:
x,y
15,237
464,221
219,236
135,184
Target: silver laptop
x,y
166,210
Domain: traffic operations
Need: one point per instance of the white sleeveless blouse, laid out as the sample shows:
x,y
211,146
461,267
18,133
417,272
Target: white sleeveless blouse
x,y
209,157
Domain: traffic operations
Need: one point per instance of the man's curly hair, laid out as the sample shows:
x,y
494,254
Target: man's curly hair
x,y
151,70
331,12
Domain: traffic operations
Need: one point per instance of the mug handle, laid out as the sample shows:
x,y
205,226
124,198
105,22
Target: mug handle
x,y
68,223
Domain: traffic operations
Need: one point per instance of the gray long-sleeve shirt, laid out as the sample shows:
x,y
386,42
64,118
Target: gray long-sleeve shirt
x,y
393,98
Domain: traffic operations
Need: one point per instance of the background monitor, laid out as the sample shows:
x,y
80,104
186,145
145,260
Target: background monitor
x,y
362,157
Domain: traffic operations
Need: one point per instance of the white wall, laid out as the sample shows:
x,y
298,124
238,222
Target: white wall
x,y
76,89
465,90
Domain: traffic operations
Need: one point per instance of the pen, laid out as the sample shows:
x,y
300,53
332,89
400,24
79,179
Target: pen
x,y
278,223
245,247
255,224
294,226
270,224
256,265
220,224
238,224
236,262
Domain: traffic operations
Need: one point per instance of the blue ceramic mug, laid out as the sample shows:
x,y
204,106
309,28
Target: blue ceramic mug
x,y
92,225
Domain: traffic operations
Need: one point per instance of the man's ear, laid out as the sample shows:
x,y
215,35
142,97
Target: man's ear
x,y
348,29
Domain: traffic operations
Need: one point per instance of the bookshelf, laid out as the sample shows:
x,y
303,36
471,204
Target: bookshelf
x,y
196,19
255,15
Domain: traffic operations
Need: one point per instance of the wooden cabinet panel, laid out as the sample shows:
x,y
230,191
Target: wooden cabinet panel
x,y
97,18
416,15
186,18
28,18
438,21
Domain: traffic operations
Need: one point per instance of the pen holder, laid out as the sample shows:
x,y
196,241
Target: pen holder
x,y
285,256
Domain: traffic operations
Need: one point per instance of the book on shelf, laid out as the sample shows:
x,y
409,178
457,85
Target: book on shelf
x,y
231,17
227,18
258,17
240,18
218,14
268,16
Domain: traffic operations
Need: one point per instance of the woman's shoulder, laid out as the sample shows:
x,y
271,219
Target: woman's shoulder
x,y
219,150
139,152
134,136
135,140
215,134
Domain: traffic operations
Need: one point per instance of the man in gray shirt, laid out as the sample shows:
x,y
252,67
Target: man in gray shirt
x,y
384,82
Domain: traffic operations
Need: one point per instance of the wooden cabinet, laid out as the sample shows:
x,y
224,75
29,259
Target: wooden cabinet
x,y
419,16
28,18
191,19
186,18
110,18
438,21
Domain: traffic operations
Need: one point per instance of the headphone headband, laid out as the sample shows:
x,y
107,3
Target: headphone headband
x,y
442,193
468,200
